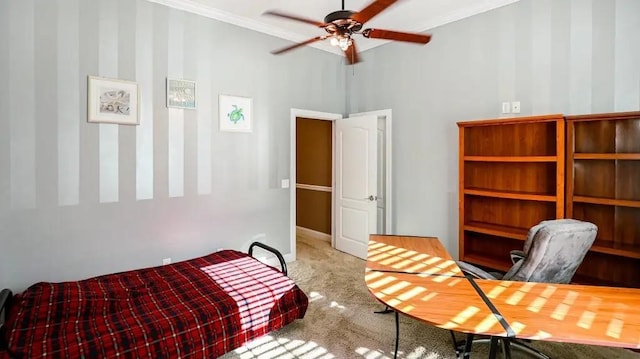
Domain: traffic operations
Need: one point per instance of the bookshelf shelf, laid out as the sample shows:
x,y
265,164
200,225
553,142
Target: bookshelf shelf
x,y
511,178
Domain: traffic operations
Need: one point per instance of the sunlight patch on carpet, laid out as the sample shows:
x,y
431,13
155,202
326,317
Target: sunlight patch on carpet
x,y
313,296
417,353
268,347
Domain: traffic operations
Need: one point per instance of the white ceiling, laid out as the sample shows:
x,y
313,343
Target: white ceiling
x,y
405,15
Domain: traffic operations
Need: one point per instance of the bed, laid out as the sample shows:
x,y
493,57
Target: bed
x,y
199,308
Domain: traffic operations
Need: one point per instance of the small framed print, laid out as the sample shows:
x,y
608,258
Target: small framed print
x,y
235,113
181,94
112,101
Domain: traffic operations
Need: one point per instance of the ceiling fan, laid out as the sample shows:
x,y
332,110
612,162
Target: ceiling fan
x,y
341,25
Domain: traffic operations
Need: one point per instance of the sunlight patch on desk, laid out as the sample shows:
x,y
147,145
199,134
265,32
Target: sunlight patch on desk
x,y
561,311
375,245
392,302
454,282
432,260
614,329
381,282
398,251
404,263
387,248
400,258
391,260
396,287
563,308
517,296
541,335
587,317
417,267
380,257
517,327
408,308
444,277
461,317
429,272
411,293
429,296
370,275
418,257
487,323
498,289
542,299
537,304
548,291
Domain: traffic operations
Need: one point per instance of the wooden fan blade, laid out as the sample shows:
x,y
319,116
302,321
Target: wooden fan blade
x,y
351,53
372,10
294,46
295,17
396,35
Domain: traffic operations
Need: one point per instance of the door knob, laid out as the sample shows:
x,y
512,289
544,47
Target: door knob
x,y
372,198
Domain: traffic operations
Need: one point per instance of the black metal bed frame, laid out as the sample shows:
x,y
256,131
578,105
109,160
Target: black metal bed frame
x,y
276,252
5,300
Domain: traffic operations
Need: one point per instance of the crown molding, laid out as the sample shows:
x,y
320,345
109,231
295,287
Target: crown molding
x,y
225,16
464,13
454,16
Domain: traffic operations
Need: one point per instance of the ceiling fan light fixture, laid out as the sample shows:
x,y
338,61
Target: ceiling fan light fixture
x,y
343,42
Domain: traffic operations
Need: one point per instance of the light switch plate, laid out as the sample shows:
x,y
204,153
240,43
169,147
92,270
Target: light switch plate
x,y
284,183
506,107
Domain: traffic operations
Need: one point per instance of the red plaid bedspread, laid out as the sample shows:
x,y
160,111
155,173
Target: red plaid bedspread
x,y
200,308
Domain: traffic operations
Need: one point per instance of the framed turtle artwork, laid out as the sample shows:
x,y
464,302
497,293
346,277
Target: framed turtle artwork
x,y
235,113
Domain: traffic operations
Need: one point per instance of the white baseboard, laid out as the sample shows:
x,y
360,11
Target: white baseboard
x,y
313,234
273,261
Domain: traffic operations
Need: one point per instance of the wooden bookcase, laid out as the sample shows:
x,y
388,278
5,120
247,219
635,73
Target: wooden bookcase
x,y
511,178
603,187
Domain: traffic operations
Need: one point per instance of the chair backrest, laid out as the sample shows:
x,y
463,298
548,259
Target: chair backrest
x,y
553,251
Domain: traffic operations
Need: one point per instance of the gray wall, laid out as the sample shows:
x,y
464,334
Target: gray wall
x,y
554,56
80,199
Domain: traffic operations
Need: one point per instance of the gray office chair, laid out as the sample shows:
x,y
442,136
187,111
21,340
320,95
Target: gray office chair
x,y
552,253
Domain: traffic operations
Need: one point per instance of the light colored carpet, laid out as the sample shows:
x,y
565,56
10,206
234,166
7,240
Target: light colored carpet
x,y
341,323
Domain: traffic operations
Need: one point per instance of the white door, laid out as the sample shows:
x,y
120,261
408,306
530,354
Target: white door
x,y
356,183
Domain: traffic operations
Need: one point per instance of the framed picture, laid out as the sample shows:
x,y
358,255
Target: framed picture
x,y
112,101
181,94
235,113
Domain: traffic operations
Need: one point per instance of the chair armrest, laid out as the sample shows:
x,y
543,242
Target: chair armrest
x,y
283,263
516,256
474,271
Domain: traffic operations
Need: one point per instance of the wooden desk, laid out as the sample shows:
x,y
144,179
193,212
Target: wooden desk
x,y
417,277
